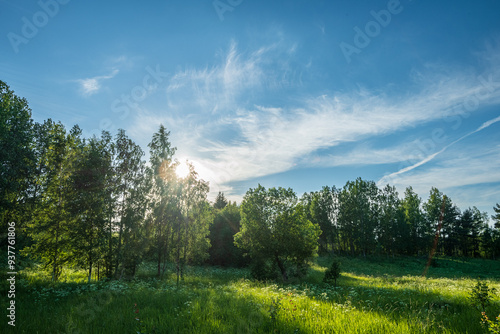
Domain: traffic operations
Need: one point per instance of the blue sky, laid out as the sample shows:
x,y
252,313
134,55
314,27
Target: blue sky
x,y
297,94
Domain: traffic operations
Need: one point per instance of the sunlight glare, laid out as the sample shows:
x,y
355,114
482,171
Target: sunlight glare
x,y
182,170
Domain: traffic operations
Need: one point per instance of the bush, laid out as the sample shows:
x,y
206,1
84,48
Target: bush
x,y
263,270
481,295
333,273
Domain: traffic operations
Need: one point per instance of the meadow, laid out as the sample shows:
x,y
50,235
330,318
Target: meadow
x,y
373,295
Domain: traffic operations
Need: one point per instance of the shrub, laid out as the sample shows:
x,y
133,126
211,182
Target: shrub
x,y
333,273
481,295
263,270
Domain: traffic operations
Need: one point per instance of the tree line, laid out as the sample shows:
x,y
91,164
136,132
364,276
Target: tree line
x,y
96,204
361,218
281,232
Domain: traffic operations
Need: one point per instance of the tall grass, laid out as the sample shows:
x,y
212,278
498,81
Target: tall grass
x,y
372,296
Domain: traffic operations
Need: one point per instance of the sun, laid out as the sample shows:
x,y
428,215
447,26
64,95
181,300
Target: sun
x,y
182,169
204,171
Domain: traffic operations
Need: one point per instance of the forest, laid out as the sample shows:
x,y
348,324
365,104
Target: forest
x,y
94,203
100,240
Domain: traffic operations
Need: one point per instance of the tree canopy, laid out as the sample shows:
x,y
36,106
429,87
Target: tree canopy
x,y
275,229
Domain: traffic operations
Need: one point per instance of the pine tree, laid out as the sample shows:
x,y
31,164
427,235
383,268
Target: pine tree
x,y
220,201
496,216
333,273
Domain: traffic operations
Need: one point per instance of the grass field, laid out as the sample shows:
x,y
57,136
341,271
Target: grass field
x,y
374,295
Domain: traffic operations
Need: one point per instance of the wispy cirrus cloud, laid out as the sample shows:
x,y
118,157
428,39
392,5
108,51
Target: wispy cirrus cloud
x,y
275,139
432,156
216,88
272,139
236,79
464,174
90,86
365,154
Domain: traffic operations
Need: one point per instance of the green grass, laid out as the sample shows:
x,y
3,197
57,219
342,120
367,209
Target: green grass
x,y
374,295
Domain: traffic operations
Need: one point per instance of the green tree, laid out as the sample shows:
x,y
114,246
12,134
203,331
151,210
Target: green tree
x,y
49,229
164,197
108,192
392,232
489,244
131,191
333,273
135,237
420,233
358,215
17,160
322,209
463,231
496,216
90,203
274,229
470,225
192,227
446,229
220,201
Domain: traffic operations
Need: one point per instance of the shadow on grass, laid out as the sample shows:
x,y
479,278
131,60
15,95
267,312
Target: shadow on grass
x,y
208,302
395,289
187,309
442,267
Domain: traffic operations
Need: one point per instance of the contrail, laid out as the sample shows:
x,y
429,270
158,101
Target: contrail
x,y
432,156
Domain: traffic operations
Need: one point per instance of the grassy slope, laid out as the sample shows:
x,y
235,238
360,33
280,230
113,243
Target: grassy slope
x,y
374,296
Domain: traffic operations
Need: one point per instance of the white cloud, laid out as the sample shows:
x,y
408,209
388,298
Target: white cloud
x,y
218,87
473,166
90,86
273,139
276,141
467,174
364,154
435,154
